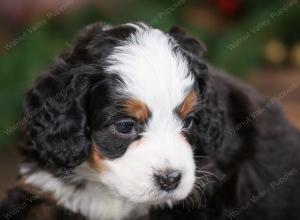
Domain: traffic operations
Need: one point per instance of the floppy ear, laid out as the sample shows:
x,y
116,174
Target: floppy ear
x,y
56,114
189,44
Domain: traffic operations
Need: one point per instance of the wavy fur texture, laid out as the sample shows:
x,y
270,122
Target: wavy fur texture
x,y
246,153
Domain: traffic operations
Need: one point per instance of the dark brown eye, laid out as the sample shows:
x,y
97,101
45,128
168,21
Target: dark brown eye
x,y
187,123
124,127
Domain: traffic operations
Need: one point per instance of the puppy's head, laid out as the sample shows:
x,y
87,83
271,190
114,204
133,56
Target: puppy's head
x,y
121,104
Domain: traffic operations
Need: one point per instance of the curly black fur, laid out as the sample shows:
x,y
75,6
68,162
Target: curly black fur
x,y
57,107
238,135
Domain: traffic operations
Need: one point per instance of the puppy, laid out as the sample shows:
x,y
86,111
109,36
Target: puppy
x,y
131,123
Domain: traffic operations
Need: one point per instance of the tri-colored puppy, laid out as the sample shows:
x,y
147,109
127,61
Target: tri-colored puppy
x,y
131,123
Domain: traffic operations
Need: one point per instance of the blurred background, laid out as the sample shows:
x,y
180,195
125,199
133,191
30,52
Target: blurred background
x,y
257,41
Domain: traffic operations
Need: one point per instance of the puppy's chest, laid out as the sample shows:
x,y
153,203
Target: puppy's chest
x,y
97,203
94,201
107,209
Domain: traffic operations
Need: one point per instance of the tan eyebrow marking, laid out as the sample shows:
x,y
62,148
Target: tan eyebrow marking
x,y
95,158
136,109
188,105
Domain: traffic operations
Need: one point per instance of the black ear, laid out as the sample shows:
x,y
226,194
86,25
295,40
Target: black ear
x,y
55,109
240,131
189,44
56,119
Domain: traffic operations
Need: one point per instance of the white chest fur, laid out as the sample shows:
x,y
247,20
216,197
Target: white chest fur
x,y
94,201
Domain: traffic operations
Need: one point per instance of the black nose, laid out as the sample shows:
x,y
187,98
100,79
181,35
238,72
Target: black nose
x,y
168,180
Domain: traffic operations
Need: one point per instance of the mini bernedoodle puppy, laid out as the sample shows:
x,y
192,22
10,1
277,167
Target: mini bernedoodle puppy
x,y
132,123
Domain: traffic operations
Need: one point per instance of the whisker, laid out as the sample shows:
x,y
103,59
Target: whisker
x,y
201,156
207,173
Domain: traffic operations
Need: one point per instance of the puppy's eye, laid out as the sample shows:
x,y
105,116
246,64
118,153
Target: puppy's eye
x,y
125,127
187,123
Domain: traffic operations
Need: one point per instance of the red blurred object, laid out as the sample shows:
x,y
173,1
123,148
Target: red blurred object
x,y
229,8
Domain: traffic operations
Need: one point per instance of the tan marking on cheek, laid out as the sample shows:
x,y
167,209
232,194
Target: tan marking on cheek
x,y
95,159
136,109
188,104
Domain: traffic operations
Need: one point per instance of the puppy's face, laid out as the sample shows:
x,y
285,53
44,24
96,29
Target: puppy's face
x,y
125,113
140,117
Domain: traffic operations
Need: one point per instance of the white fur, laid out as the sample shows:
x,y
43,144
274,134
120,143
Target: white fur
x,y
158,76
153,73
131,175
95,201
151,70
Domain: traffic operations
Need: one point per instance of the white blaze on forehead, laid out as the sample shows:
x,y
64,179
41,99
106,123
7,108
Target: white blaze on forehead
x,y
151,70
157,75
